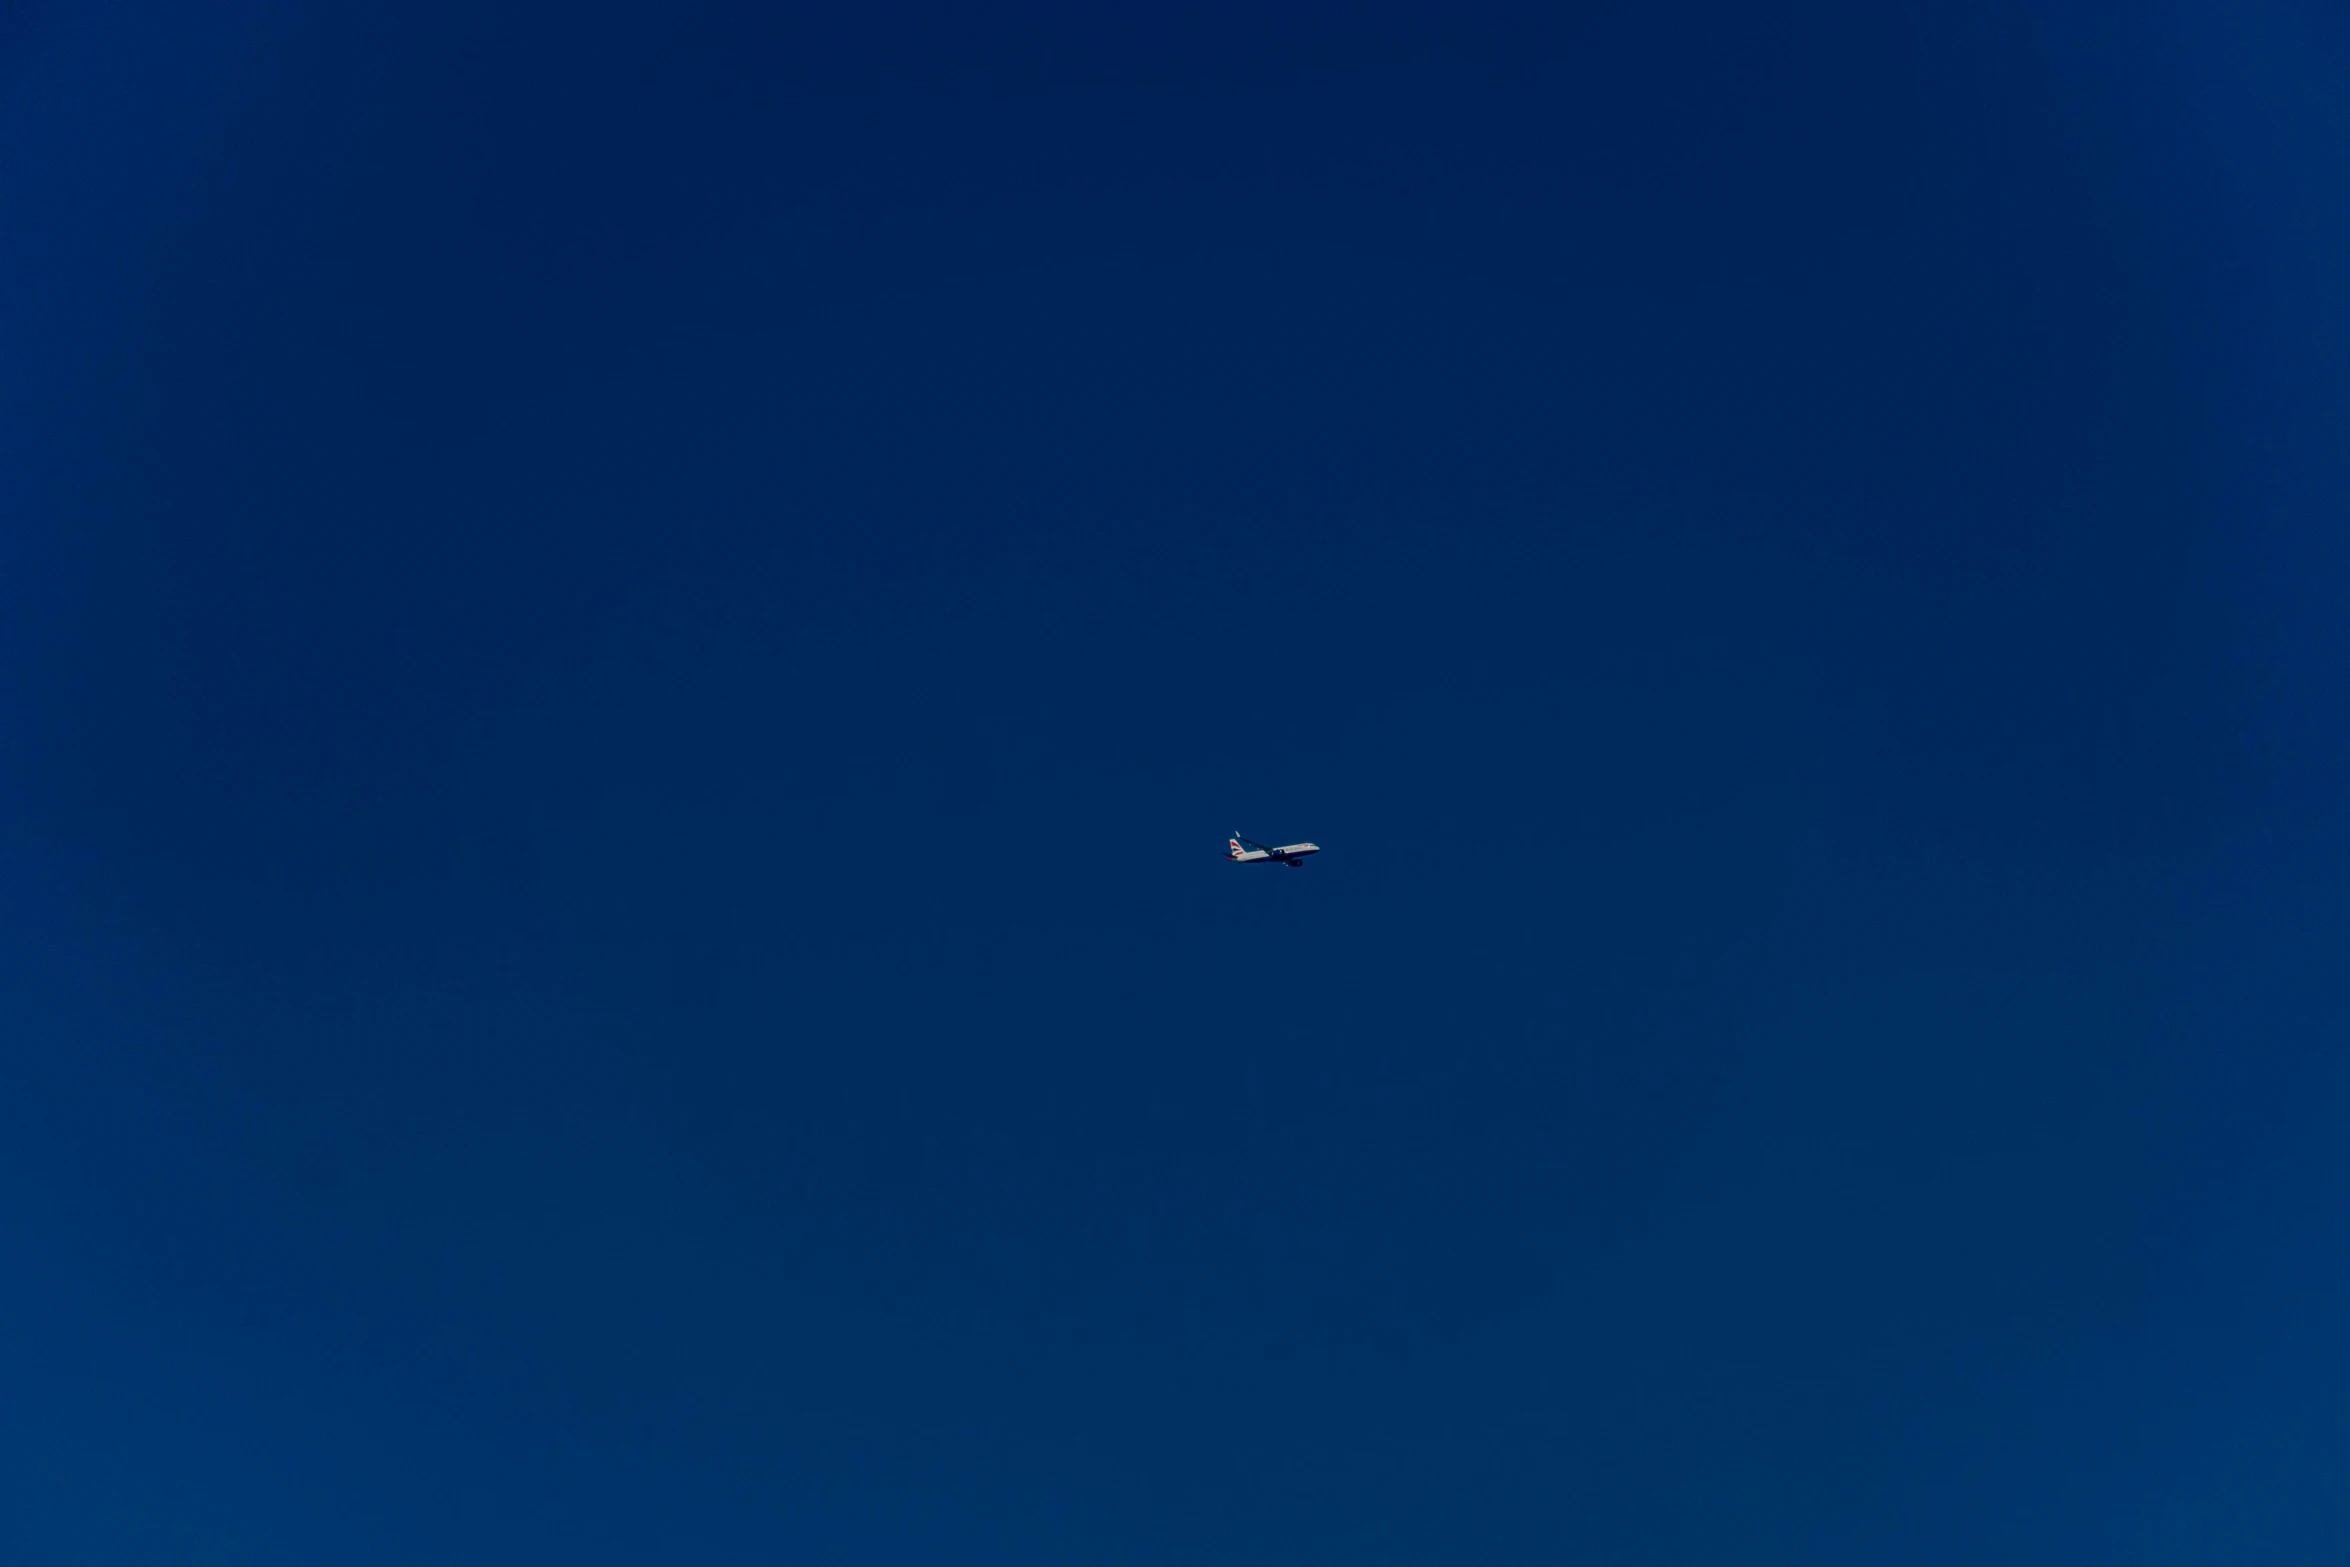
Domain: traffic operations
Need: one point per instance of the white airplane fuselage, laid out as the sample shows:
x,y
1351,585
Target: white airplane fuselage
x,y
1291,855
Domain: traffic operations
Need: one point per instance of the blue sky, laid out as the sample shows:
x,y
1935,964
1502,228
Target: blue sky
x,y
632,641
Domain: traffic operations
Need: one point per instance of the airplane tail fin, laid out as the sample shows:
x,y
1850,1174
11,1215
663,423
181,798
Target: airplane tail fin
x,y
1233,850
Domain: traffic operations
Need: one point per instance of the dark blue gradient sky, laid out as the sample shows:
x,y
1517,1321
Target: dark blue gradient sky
x,y
631,632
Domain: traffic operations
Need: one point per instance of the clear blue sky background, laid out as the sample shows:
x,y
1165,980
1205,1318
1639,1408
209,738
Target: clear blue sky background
x,y
630,635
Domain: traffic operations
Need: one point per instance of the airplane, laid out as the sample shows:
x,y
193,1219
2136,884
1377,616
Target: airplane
x,y
1242,852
